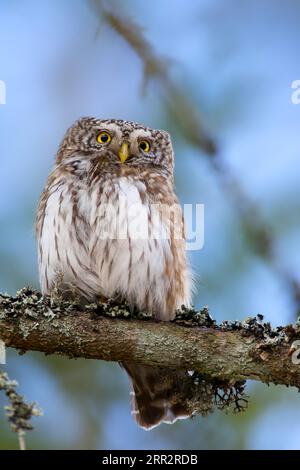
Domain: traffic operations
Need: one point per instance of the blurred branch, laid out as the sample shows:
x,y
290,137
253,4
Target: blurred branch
x,y
229,353
157,68
256,230
189,122
19,412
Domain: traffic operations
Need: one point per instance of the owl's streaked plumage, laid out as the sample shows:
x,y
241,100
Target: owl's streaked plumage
x,y
103,170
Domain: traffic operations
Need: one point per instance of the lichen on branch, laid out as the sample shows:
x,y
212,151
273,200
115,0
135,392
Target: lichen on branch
x,y
19,412
218,358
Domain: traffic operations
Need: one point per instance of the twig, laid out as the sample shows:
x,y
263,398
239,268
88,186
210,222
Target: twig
x,y
19,412
156,68
22,443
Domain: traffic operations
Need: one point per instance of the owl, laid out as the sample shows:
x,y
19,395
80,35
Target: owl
x,y
109,225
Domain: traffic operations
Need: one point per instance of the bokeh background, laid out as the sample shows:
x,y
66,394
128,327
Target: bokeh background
x,y
222,67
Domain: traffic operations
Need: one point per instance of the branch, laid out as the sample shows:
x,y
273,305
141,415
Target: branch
x,y
156,67
19,412
222,356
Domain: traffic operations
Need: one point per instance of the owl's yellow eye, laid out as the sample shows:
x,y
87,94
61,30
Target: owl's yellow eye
x,y
144,145
103,137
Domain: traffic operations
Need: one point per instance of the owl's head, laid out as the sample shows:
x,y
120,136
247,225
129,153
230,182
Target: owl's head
x,y
113,143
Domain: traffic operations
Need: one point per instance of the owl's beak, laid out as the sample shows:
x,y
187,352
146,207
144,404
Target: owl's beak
x,y
124,152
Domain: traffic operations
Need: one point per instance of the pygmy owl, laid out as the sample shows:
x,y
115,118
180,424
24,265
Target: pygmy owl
x,y
109,226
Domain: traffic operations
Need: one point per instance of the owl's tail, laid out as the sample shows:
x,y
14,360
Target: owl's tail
x,y
154,397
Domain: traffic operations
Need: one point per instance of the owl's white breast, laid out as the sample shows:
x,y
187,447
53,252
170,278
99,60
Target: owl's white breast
x,y
101,246
129,261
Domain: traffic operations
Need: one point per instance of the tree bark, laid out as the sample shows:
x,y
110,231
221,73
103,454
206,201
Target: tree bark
x,y
231,352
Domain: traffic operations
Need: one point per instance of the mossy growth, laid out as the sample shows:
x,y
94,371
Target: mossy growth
x,y
201,394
